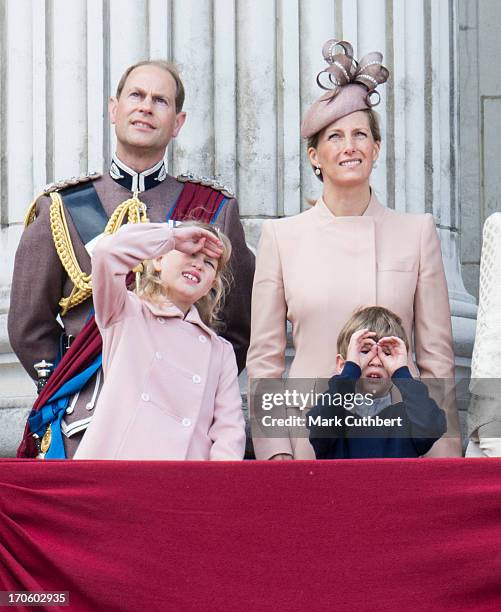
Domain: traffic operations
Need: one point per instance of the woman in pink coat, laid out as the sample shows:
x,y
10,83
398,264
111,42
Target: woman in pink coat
x,y
170,389
345,252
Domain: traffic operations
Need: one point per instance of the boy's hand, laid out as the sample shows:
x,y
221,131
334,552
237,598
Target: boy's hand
x,y
362,348
392,352
191,240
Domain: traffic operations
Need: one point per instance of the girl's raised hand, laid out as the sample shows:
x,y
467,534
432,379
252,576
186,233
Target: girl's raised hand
x,y
192,239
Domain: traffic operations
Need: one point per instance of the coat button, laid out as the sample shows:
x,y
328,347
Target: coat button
x,y
186,422
202,339
158,355
196,379
145,397
161,320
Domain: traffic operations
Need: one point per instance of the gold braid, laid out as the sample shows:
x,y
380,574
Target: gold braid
x,y
30,215
135,211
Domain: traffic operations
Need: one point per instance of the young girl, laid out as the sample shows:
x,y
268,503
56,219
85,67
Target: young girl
x,y
170,389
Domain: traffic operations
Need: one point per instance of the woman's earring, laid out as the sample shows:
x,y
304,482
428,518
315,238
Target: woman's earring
x,y
317,171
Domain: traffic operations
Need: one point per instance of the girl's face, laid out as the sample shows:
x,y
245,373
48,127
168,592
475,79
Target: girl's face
x,y
346,151
186,278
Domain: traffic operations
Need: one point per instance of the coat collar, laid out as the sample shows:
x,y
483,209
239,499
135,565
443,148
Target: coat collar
x,y
374,209
169,310
137,181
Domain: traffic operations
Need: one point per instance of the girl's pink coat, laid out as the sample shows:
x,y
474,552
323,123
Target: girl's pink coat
x,y
171,389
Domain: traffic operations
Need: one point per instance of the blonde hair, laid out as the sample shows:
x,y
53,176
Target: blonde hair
x,y
378,319
209,306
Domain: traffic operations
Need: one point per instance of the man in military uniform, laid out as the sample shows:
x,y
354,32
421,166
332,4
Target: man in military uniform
x,y
53,265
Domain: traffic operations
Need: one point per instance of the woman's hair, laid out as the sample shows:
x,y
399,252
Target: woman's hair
x,y
209,306
374,126
378,319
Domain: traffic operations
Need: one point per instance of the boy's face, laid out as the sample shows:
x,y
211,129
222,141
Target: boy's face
x,y
378,360
375,379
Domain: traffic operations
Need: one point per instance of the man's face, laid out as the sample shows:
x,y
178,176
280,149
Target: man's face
x,y
145,116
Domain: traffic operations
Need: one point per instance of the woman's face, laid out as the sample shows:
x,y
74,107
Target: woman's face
x,y
346,151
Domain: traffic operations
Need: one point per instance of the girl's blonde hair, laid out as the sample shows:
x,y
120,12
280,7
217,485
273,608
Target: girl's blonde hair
x,y
210,305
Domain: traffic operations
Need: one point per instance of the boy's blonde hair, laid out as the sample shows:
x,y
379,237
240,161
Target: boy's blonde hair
x,y
377,319
209,306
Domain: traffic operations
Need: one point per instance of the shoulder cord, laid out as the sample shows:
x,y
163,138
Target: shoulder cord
x,y
82,283
30,215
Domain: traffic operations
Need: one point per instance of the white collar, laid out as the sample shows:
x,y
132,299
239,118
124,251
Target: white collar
x,y
137,181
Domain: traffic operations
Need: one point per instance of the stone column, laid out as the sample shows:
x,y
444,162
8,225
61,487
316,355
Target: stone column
x,y
193,51
19,128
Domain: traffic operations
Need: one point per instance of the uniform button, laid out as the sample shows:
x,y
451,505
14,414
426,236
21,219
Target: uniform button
x,y
145,397
161,320
158,355
196,379
202,339
186,422
69,410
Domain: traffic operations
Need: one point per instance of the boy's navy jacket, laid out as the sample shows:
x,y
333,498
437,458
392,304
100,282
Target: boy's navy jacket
x,y
422,424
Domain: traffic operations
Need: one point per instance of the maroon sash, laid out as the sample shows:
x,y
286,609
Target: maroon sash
x,y
197,203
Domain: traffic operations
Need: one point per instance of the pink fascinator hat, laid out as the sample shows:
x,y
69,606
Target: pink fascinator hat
x,y
350,85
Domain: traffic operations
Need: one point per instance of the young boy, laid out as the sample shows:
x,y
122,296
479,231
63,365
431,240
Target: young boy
x,y
356,418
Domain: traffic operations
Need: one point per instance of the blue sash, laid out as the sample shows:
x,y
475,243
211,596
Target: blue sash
x,y
53,411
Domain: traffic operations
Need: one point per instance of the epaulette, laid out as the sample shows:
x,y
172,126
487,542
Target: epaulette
x,y
58,186
71,182
188,177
